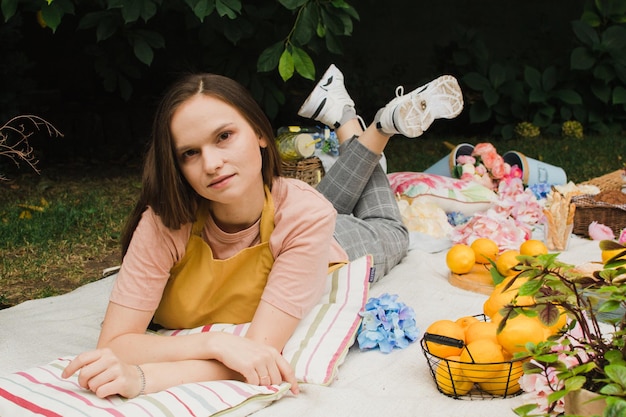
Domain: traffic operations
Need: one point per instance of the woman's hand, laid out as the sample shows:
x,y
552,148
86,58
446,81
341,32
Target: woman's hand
x,y
259,364
102,372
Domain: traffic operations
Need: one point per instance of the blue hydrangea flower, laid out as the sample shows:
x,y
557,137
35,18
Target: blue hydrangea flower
x,y
456,218
387,324
540,190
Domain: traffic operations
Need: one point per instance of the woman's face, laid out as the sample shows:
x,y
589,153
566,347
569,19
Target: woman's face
x,y
217,149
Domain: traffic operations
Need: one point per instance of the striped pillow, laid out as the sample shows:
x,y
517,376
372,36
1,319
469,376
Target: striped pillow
x,y
41,391
316,349
321,340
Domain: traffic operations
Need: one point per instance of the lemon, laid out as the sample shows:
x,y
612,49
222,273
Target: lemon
x,y
506,261
521,330
485,249
533,247
481,330
460,258
450,378
446,328
506,382
482,360
466,321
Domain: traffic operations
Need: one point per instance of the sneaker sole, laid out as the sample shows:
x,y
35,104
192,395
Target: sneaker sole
x,y
446,86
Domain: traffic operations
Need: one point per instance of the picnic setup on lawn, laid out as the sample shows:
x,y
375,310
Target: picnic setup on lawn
x,y
422,341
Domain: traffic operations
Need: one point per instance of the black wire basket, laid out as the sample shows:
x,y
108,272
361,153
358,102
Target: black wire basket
x,y
471,380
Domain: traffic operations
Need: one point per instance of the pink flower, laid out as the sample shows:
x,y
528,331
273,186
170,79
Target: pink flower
x,y
599,231
499,168
622,238
466,159
483,149
516,172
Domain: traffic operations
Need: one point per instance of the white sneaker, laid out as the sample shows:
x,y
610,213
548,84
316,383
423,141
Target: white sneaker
x,y
411,114
328,99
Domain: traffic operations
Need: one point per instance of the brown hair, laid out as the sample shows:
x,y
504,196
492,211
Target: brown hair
x,y
165,189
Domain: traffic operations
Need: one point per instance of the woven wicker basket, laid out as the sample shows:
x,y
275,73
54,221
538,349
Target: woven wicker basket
x,y
588,209
309,170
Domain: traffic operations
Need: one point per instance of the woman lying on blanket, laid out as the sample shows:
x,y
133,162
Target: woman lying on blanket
x,y
218,236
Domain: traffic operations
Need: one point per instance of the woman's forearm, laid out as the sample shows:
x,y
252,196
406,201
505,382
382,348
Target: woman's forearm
x,y
151,348
164,375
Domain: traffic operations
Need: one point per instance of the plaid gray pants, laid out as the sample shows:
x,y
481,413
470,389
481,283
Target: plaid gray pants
x,y
369,221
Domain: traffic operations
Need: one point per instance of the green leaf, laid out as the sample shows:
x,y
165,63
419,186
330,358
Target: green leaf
x,y
537,96
614,39
203,8
52,15
601,91
9,7
525,409
532,77
491,97
91,20
557,395
568,96
479,112
131,10
143,51
611,389
497,75
154,39
476,81
106,28
229,8
269,58
616,407
285,65
581,59
619,95
608,306
530,287
305,26
585,33
303,63
332,43
575,383
617,374
549,78
292,4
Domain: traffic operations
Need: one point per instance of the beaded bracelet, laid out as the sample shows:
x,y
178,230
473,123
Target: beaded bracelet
x,y
142,391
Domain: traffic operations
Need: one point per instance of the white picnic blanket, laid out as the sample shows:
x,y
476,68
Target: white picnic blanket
x,y
370,383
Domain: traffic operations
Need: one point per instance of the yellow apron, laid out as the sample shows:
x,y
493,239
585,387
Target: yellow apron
x,y
202,290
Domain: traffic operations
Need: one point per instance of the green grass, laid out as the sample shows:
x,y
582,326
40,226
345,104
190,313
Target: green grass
x,y
60,230
76,235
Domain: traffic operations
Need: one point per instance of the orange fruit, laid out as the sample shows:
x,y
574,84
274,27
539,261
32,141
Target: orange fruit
x,y
460,259
533,247
446,328
521,330
466,321
506,261
450,378
500,297
506,382
484,250
482,360
481,330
